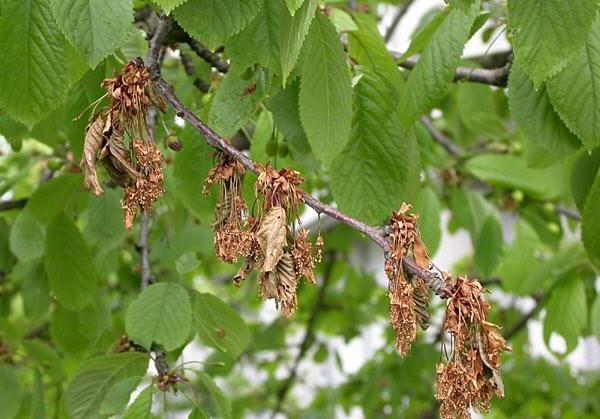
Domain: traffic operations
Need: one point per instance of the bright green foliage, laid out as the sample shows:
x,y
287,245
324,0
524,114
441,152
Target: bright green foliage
x,y
74,332
91,382
222,405
546,33
38,407
96,28
215,21
518,261
169,5
63,193
590,229
69,264
595,317
431,78
117,397
27,237
162,314
575,91
566,311
219,326
428,206
140,408
30,39
488,246
535,115
325,93
293,5
10,397
293,30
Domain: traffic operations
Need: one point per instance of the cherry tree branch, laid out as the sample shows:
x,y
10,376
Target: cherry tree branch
x,y
397,18
16,204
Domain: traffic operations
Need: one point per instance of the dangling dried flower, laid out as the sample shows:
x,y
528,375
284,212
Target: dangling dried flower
x,y
402,314
280,284
279,188
319,248
94,139
271,237
304,261
472,375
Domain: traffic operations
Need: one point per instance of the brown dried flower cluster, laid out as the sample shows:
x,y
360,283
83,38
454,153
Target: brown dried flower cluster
x,y
119,137
269,243
409,296
471,377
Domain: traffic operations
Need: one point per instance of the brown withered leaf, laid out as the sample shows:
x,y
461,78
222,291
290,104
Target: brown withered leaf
x,y
421,297
280,285
271,236
94,139
420,253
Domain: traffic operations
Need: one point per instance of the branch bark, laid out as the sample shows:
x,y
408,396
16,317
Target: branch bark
x,y
440,138
397,18
8,205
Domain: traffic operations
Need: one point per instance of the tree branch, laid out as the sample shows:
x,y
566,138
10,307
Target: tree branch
x,y
440,138
9,205
493,76
397,18
207,55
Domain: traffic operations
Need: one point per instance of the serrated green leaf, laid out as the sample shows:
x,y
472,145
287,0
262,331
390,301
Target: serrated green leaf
x,y
421,38
219,326
27,237
325,91
519,259
86,391
74,332
96,28
140,408
546,33
69,265
118,396
566,311
293,5
575,91
583,172
198,413
378,169
235,102
215,21
428,206
536,116
293,30
161,314
10,396
63,193
36,52
590,223
595,317
103,225
34,287
429,81
342,21
478,111
488,246
221,402
169,5
263,31
512,172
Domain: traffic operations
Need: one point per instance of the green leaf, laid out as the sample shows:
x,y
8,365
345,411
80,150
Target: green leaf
x,y
566,311
325,92
69,264
219,326
61,193
421,38
478,111
575,91
103,225
595,317
590,223
263,31
95,28
293,30
221,402
488,246
583,172
235,102
536,117
34,289
215,21
118,396
263,134
38,406
169,5
140,408
198,413
293,5
342,21
429,81
378,169
45,357
519,259
35,80
511,172
546,33
27,237
464,5
74,332
162,314
10,395
469,210
428,206
86,391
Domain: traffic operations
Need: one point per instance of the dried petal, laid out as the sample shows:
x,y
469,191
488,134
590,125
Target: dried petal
x,y
304,262
420,253
93,142
271,237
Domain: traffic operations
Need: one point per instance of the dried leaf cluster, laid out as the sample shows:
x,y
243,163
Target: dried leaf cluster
x,y
268,242
409,296
471,376
119,137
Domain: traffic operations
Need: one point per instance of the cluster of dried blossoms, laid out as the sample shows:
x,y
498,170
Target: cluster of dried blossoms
x,y
119,137
409,296
471,376
269,243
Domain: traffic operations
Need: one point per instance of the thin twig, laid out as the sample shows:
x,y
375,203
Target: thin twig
x,y
188,67
309,335
522,322
207,55
440,138
9,205
492,76
567,212
397,18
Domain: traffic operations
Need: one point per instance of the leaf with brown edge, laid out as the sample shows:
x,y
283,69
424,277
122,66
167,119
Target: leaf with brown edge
x,y
271,237
94,138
